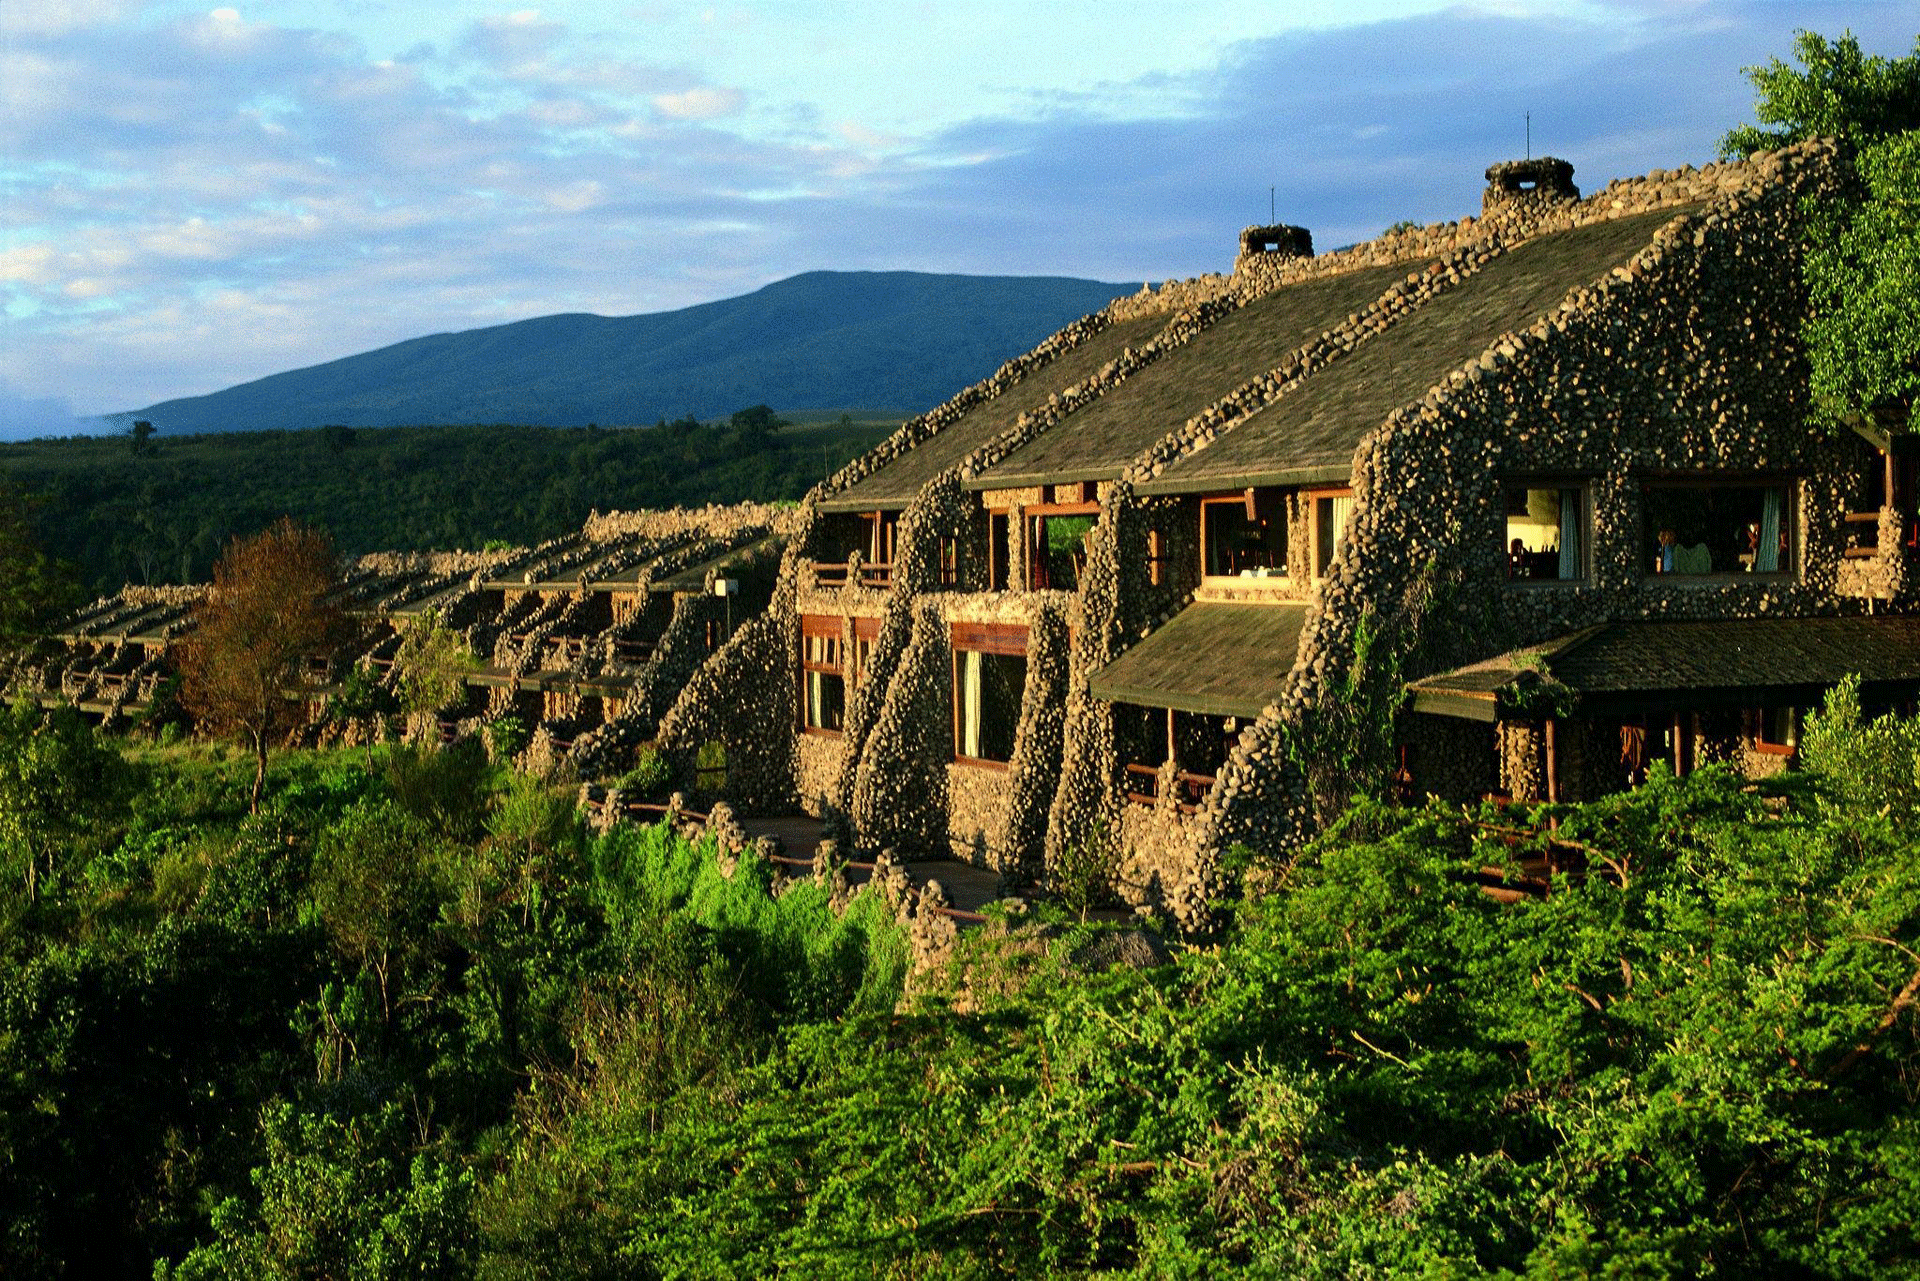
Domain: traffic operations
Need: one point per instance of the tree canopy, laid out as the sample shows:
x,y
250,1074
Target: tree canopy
x,y
267,613
1862,263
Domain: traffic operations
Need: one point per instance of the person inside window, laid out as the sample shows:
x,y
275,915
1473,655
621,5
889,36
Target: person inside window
x,y
1668,546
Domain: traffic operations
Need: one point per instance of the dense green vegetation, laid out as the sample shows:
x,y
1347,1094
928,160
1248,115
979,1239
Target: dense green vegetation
x,y
163,511
412,1020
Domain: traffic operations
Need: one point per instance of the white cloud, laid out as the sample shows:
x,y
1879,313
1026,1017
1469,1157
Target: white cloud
x,y
186,212
699,103
575,196
56,17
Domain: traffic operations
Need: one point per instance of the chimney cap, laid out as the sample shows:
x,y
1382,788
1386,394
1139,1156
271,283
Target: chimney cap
x,y
1517,175
1280,239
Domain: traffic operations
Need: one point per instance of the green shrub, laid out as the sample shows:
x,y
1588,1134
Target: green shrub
x,y
650,778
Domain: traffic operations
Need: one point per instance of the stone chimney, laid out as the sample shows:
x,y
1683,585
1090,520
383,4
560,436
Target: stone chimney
x,y
1273,245
1528,185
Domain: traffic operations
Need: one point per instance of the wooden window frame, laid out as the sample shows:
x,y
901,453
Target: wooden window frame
x,y
1790,512
1768,747
1245,499
1031,516
829,628
1584,486
865,632
1003,639
1313,498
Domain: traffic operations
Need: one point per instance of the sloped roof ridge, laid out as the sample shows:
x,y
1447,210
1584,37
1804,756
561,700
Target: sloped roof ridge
x,y
1260,393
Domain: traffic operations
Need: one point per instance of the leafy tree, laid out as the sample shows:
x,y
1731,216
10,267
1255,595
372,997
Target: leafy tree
x,y
432,664
376,887
340,1198
754,426
56,779
1837,91
1862,264
140,433
269,609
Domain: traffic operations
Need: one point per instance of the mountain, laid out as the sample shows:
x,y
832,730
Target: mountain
x,y
892,341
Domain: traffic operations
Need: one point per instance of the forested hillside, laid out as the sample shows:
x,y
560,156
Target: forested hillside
x,y
162,511
891,341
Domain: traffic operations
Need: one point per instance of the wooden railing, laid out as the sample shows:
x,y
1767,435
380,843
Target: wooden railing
x,y
1869,545
633,651
1189,789
837,573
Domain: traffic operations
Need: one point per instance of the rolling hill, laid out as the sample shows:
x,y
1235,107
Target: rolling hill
x,y
890,342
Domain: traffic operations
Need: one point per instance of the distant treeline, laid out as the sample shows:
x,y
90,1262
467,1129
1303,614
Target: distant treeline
x,y
159,509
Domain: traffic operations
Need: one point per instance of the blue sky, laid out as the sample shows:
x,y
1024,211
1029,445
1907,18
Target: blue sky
x,y
196,196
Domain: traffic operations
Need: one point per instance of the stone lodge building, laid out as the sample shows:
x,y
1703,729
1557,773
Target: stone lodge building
x,y
1535,489
1541,479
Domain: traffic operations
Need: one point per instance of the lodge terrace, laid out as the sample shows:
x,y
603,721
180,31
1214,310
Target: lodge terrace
x,y
1542,479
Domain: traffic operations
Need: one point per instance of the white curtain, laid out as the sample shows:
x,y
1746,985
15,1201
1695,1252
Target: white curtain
x,y
970,698
1569,533
1766,557
1342,508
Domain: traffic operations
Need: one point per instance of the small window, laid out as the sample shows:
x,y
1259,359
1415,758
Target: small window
x,y
1698,529
865,632
1156,557
823,683
1057,546
1546,533
1778,730
1330,512
949,560
1243,536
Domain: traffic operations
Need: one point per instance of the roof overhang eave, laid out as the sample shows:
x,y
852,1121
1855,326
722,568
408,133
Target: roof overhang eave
x,y
1325,473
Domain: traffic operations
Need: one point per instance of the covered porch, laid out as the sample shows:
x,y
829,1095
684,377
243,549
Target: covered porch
x,y
1590,712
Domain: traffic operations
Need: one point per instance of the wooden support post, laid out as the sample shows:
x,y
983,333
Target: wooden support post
x,y
1553,762
1171,754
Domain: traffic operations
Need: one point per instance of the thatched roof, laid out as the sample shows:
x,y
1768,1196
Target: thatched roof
x,y
894,485
1219,659
1098,441
1309,434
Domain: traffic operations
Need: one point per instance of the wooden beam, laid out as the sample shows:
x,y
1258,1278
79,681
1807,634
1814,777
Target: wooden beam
x,y
1553,761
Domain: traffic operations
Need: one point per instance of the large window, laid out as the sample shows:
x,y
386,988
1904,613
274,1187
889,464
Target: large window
x,y
1330,512
1713,528
1244,536
823,681
1546,534
989,679
865,632
1057,546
